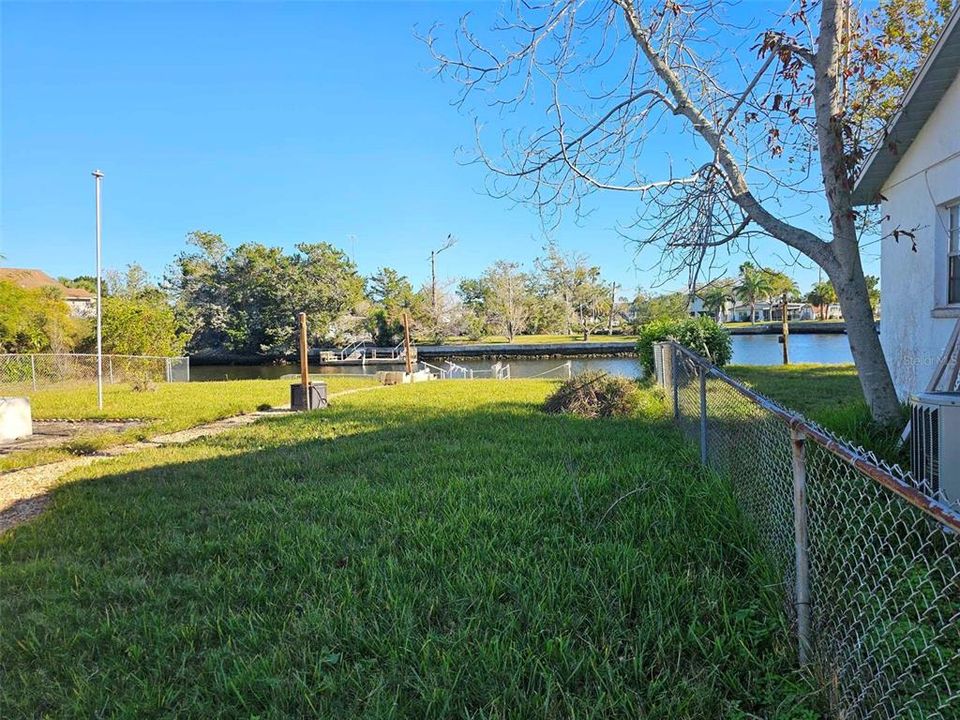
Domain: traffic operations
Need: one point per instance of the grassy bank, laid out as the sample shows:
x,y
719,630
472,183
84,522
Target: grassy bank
x,y
437,550
167,407
829,395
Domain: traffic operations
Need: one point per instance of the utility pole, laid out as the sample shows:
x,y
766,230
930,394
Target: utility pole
x,y
98,176
450,242
353,248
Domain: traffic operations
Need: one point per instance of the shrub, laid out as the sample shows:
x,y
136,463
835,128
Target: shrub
x,y
702,335
594,394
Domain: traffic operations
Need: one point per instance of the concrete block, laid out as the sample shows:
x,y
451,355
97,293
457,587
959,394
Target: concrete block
x,y
16,420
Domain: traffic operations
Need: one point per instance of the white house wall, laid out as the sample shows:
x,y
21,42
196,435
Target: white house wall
x,y
915,325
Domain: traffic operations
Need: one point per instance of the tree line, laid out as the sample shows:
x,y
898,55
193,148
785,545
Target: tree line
x,y
760,284
242,301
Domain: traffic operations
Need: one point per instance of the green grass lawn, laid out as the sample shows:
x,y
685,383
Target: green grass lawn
x,y
167,407
539,339
829,395
436,550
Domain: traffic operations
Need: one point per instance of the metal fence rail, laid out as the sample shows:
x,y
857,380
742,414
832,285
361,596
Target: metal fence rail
x,y
43,370
870,565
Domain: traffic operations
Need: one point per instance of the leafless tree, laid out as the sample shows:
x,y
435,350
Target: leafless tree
x,y
757,115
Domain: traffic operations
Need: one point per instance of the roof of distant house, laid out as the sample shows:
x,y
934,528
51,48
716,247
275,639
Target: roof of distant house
x,y
932,80
33,279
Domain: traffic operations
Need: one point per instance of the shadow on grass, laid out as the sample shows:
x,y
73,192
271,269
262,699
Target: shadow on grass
x,y
387,560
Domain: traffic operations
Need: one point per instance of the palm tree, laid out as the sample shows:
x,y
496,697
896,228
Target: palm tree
x,y
715,298
821,296
754,284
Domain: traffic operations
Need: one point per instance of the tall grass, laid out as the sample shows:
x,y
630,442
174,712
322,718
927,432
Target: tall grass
x,y
167,407
435,550
831,396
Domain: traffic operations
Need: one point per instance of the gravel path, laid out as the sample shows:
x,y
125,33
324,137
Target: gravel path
x,y
24,494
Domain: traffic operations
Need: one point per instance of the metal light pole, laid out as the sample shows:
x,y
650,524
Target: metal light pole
x,y
451,241
98,176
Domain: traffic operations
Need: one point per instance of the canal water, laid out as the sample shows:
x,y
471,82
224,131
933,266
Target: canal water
x,y
747,350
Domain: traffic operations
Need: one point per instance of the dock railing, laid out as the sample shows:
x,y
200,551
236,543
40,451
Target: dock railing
x,y
870,565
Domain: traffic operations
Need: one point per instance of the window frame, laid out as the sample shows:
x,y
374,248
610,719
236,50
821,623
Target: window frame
x,y
952,225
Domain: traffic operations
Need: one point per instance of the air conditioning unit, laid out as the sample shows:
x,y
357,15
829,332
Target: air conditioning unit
x,y
935,444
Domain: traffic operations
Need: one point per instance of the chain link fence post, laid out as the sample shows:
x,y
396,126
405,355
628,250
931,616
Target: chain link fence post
x,y
33,372
802,590
703,415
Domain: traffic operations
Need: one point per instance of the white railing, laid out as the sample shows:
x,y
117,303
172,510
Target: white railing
x,y
458,371
354,350
565,369
498,371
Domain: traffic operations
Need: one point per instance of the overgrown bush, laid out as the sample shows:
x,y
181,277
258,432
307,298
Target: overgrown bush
x,y
594,394
702,335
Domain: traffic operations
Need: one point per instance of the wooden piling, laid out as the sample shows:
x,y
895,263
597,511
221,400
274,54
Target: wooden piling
x,y
304,363
786,332
406,342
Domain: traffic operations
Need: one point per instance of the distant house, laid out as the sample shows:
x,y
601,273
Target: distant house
x,y
696,308
81,302
915,174
768,312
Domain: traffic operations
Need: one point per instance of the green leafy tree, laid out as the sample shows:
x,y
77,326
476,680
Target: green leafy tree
x,y
142,324
890,42
702,335
472,294
389,294
780,284
647,308
246,299
35,320
198,286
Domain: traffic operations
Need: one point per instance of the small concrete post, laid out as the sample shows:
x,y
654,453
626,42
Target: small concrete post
x,y
703,416
801,542
33,372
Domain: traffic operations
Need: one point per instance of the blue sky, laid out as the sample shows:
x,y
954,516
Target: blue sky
x,y
276,123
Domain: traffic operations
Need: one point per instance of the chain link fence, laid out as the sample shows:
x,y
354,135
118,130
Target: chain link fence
x,y
870,565
22,373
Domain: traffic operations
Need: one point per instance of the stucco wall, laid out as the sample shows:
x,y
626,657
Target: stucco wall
x,y
916,326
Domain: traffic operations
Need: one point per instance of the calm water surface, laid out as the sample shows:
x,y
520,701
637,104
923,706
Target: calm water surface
x,y
747,350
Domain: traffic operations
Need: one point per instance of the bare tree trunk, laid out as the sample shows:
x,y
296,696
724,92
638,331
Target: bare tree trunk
x,y
723,181
846,272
